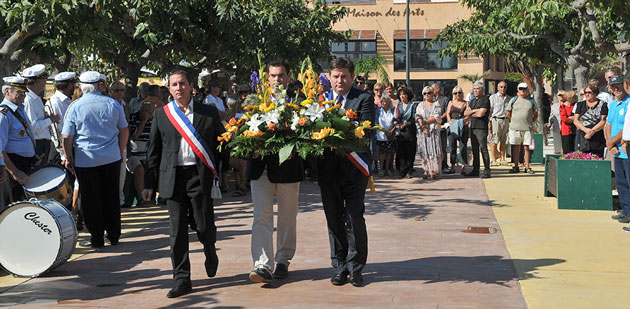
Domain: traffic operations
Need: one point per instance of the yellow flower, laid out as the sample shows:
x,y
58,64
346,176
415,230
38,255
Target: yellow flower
x,y
334,107
359,132
226,136
293,105
323,133
248,133
249,107
328,102
306,102
367,124
233,129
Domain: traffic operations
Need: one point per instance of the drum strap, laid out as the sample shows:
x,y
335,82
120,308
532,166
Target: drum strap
x,y
23,122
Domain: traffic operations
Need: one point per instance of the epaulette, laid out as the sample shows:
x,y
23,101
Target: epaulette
x,y
4,109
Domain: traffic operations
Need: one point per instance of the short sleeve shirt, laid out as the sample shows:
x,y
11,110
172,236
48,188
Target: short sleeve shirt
x,y
522,114
616,118
95,121
480,122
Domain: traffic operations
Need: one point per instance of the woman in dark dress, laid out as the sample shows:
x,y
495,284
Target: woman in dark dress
x,y
404,122
590,119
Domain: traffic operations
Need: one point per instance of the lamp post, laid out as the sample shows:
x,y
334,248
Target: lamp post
x,y
407,53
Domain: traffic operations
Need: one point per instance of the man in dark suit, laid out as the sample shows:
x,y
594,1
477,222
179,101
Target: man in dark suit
x,y
269,178
343,185
184,180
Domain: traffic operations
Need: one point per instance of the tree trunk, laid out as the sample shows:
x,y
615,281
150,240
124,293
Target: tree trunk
x,y
559,80
132,74
581,76
625,62
539,89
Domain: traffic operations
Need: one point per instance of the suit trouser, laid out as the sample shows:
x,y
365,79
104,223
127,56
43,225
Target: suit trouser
x,y
479,141
99,200
344,208
406,154
263,192
42,150
188,196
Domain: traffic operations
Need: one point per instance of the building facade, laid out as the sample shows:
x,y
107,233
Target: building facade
x,y
379,26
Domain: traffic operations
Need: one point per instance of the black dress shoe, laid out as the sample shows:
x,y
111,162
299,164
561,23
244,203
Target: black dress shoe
x,y
356,279
471,174
282,271
179,290
340,278
212,264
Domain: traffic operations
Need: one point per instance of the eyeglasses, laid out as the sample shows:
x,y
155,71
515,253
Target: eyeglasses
x,y
459,92
588,92
522,88
427,93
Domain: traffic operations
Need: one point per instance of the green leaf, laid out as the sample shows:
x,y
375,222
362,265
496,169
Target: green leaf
x,y
285,152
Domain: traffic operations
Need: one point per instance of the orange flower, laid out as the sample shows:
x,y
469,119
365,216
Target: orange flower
x,y
351,114
271,126
241,121
232,121
302,121
359,132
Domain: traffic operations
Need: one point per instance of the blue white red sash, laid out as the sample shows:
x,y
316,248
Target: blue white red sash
x,y
190,135
360,161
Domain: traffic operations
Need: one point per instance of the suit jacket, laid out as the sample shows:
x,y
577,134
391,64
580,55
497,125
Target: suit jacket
x,y
164,146
331,166
291,170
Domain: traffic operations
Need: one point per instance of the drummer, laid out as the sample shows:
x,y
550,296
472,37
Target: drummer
x,y
16,138
65,83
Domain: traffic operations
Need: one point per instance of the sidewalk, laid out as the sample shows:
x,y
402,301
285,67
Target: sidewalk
x,y
419,257
581,253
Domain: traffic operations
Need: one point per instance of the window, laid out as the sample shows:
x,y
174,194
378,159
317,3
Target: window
x,y
350,1
423,56
354,50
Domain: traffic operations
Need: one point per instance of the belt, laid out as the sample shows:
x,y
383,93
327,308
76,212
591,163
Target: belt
x,y
498,117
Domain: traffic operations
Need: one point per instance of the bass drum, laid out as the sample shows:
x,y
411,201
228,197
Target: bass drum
x,y
35,237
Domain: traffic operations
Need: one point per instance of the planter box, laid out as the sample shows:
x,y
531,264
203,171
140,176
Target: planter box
x,y
579,184
536,156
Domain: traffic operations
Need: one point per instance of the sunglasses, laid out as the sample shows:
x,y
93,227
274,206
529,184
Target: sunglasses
x,y
358,83
522,88
459,92
588,92
427,93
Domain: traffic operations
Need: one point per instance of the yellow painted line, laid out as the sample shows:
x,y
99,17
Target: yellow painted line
x,y
132,220
563,258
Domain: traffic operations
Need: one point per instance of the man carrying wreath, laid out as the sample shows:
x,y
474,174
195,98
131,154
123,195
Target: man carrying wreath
x,y
343,184
180,156
269,179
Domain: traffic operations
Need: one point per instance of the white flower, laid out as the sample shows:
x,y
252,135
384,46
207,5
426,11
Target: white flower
x,y
271,116
295,121
254,122
315,112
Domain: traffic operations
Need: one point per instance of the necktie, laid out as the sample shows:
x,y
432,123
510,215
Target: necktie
x,y
340,101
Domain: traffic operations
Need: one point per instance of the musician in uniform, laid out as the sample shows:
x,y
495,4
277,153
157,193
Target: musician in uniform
x,y
16,138
34,107
65,83
95,128
183,174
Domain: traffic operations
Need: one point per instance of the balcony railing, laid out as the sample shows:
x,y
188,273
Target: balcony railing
x,y
350,1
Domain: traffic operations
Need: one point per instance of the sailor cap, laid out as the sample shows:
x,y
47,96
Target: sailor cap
x,y
90,77
103,78
34,72
64,76
16,82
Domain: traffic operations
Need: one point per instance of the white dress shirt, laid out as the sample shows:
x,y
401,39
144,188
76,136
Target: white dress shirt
x,y
59,103
34,108
216,101
186,156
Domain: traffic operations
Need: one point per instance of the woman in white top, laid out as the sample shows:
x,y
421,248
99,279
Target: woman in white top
x,y
386,140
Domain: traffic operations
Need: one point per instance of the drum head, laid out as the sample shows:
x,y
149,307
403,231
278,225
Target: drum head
x,y
45,178
29,239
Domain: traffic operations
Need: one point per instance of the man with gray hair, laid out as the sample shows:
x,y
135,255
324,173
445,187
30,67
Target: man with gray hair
x,y
478,113
499,123
134,104
94,135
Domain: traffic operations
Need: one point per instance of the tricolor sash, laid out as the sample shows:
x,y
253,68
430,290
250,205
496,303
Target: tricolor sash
x,y
190,135
360,161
